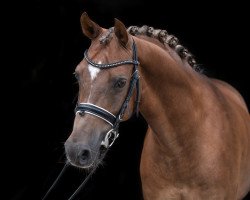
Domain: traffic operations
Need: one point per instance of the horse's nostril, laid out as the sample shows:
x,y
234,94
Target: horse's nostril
x,y
84,156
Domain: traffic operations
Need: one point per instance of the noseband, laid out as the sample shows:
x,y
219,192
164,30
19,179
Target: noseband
x,y
113,120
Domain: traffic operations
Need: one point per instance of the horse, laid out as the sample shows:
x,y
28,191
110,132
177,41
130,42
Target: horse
x,y
197,145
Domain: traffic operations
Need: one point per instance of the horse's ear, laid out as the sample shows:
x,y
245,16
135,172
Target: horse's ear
x,y
89,28
121,32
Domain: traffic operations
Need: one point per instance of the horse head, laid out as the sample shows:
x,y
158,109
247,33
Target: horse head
x,y
107,78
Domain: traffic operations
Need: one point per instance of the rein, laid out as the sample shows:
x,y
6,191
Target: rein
x,y
113,120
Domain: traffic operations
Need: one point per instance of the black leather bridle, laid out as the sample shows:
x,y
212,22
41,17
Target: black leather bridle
x,y
113,120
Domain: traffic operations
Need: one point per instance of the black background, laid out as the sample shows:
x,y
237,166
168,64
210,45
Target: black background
x,y
44,44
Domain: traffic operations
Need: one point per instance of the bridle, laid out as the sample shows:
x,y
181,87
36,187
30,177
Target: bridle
x,y
113,120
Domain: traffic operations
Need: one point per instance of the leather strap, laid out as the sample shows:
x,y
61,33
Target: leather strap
x,y
96,111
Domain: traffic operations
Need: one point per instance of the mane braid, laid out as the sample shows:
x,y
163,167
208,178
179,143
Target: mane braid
x,y
166,39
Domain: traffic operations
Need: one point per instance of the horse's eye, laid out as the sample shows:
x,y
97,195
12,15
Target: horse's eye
x,y
120,83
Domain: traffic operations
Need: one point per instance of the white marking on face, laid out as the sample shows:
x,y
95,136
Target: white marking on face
x,y
93,71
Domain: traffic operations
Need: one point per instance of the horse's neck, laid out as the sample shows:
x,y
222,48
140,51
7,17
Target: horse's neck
x,y
169,92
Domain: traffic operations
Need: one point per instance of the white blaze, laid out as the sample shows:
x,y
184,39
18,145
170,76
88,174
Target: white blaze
x,y
93,71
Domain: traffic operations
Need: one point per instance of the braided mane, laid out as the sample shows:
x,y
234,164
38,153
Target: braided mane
x,y
167,40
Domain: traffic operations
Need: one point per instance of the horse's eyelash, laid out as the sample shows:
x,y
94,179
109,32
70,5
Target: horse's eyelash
x,y
76,75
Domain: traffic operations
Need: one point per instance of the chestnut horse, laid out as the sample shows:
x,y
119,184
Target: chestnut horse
x,y
197,145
